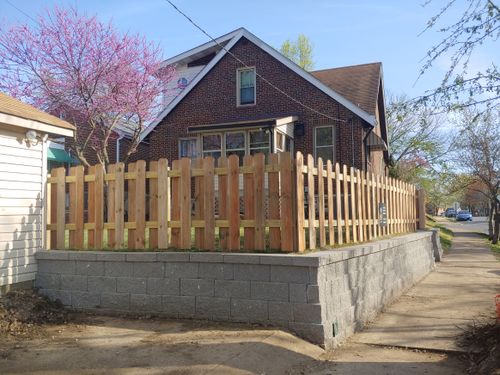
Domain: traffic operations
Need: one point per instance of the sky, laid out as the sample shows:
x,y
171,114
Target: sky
x,y
343,32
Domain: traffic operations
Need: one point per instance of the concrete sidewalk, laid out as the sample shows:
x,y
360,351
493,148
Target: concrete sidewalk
x,y
434,312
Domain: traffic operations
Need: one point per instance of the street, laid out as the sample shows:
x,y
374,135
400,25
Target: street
x,y
478,224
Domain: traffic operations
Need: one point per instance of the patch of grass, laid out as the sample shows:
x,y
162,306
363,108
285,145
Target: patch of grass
x,y
494,247
445,235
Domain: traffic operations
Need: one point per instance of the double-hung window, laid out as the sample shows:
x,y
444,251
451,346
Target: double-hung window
x,y
324,143
259,142
246,86
188,148
212,145
235,144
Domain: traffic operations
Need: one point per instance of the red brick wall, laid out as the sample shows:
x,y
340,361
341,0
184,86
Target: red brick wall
x,y
213,101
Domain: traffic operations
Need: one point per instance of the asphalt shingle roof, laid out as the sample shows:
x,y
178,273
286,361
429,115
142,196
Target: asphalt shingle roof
x,y
14,107
358,83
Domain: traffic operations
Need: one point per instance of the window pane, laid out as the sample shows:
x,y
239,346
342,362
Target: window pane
x,y
247,78
259,139
235,140
188,148
324,136
214,154
247,95
240,153
325,153
212,142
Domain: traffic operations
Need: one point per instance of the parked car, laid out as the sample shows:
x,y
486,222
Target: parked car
x,y
464,216
450,212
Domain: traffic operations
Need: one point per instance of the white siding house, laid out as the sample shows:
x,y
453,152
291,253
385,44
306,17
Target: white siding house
x,y
24,132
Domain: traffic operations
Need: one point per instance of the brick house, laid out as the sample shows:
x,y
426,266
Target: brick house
x,y
253,99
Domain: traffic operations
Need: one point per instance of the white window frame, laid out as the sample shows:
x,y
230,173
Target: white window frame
x,y
333,146
189,139
238,89
250,148
222,141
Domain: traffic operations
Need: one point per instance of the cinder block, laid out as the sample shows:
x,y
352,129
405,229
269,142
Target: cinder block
x,y
269,291
121,269
101,284
212,307
161,286
64,296
219,271
90,268
168,256
88,256
242,258
145,302
206,257
313,294
252,272
48,281
52,255
181,270
314,333
197,287
74,282
232,288
280,312
306,312
290,274
148,269
115,301
110,256
279,259
249,310
141,257
298,293
64,267
131,285
183,306
85,300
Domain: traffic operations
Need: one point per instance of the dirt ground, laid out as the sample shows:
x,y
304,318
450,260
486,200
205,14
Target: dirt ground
x,y
39,337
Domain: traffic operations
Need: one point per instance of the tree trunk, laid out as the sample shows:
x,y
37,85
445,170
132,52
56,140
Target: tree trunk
x,y
490,221
496,233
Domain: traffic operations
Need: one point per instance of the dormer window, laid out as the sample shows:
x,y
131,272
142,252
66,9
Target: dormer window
x,y
246,87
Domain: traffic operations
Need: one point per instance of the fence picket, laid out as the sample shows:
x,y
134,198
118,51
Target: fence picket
x,y
274,202
321,204
223,206
299,179
131,183
209,203
199,204
338,200
119,204
286,202
233,197
331,207
140,205
248,203
99,206
163,204
347,223
185,203
311,216
110,195
153,205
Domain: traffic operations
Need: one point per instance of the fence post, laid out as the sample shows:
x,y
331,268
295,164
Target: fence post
x,y
299,195
421,209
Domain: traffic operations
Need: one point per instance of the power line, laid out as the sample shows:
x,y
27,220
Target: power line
x,y
247,66
21,11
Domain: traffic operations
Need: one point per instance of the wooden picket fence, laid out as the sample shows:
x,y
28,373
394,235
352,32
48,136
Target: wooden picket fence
x,y
256,206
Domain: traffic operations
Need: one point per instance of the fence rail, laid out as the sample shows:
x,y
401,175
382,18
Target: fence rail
x,y
284,204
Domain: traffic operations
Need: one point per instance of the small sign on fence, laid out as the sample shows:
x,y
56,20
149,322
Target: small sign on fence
x,y
382,214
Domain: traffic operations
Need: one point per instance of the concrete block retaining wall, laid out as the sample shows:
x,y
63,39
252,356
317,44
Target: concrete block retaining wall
x,y
323,297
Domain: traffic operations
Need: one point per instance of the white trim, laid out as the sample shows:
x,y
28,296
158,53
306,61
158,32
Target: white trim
x,y
46,208
192,84
236,36
238,87
35,125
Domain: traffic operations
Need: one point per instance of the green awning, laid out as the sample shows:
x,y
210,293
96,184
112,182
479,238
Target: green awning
x,y
61,156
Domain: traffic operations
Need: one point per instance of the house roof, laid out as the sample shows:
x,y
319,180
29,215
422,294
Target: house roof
x,y
14,107
229,40
358,83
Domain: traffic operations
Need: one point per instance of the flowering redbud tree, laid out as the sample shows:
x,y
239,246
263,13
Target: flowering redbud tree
x,y
73,65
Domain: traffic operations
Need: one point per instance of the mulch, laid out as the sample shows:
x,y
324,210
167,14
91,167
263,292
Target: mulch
x,y
23,313
482,344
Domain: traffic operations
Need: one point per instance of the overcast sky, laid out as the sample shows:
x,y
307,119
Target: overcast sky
x,y
344,32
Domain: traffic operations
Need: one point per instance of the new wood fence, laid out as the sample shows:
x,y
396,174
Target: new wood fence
x,y
284,204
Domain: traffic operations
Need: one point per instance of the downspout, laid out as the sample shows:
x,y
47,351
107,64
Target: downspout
x,y
120,137
366,147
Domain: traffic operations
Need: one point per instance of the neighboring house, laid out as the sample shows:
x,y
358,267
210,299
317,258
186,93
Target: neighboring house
x,y
220,106
24,131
